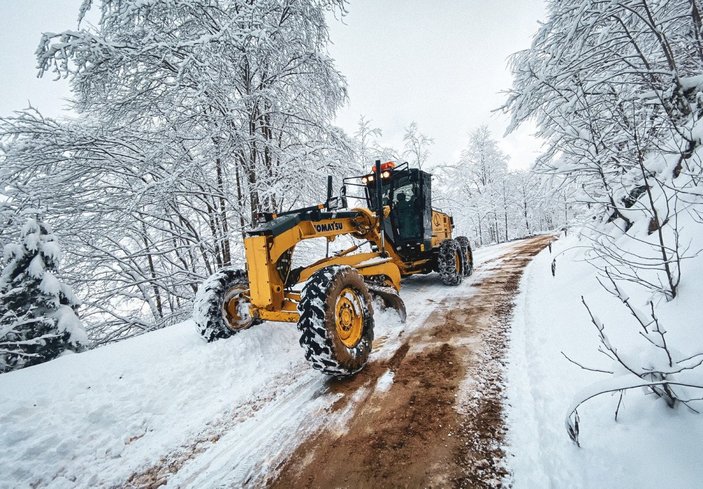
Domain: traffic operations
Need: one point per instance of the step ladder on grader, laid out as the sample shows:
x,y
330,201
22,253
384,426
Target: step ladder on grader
x,y
334,310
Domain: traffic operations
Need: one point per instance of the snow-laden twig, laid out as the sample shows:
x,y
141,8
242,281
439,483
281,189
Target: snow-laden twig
x,y
657,380
573,421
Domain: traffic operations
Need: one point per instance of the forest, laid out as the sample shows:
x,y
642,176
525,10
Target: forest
x,y
192,118
565,351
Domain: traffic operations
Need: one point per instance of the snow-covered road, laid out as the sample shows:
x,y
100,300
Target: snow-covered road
x,y
168,408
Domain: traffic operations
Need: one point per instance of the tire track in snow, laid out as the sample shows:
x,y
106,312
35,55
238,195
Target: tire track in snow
x,y
249,451
544,470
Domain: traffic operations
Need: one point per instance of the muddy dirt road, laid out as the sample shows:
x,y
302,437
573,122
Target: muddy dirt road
x,y
439,422
425,412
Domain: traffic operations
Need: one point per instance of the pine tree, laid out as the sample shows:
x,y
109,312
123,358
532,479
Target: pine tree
x,y
38,321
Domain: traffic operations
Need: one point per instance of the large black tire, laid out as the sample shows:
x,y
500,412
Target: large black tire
x,y
467,254
209,312
323,295
449,262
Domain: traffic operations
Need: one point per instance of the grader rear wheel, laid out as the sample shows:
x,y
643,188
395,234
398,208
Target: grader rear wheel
x,y
449,262
467,255
221,308
336,321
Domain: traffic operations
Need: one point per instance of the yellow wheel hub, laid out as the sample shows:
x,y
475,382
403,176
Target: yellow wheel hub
x,y
234,310
349,317
458,263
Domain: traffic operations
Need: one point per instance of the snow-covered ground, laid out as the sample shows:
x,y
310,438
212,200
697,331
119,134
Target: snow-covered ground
x,y
650,445
218,414
227,413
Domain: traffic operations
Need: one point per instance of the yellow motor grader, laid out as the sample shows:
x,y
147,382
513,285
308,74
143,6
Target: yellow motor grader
x,y
334,310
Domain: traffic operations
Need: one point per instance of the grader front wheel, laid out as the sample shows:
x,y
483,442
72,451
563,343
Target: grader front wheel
x,y
336,321
221,308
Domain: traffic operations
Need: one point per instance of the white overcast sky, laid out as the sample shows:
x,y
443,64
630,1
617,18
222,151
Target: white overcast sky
x,y
439,63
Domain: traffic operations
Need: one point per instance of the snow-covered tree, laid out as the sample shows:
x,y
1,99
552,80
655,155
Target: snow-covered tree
x,y
473,186
38,318
193,117
245,87
416,146
615,89
484,162
366,146
491,202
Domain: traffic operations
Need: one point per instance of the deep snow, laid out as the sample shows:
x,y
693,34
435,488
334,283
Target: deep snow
x,y
650,445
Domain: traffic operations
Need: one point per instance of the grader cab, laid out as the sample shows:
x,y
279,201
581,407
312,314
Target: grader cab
x,y
334,310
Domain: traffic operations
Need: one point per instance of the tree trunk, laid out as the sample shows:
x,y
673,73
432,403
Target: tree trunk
x,y
524,211
152,272
480,231
226,258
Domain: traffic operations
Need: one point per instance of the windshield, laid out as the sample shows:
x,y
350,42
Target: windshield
x,y
402,194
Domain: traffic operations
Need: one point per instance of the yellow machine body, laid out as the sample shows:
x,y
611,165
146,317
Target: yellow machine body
x,y
269,247
334,309
272,300
442,226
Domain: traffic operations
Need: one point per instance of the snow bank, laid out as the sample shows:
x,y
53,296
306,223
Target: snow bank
x,y
93,419
649,445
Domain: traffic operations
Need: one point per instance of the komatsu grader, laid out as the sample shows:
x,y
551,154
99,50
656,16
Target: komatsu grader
x,y
334,310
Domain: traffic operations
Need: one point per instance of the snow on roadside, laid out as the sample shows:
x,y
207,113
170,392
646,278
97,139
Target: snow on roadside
x,y
93,419
650,445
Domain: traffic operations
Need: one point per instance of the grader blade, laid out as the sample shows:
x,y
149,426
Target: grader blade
x,y
390,298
